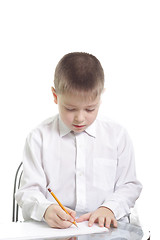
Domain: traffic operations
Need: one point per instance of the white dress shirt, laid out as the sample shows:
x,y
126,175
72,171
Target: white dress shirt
x,y
85,170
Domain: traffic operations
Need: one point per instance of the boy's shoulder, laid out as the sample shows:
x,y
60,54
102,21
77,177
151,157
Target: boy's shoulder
x,y
49,121
48,124
106,122
108,127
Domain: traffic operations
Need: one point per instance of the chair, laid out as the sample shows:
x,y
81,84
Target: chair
x,y
17,181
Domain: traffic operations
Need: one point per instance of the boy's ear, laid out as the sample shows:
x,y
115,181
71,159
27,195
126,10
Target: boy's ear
x,y
54,94
104,90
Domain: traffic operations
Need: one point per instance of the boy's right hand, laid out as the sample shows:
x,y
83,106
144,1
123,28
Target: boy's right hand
x,y
56,217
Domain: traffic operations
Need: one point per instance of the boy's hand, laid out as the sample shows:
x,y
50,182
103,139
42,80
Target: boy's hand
x,y
56,217
104,216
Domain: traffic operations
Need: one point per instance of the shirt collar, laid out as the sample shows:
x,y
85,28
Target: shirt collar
x,y
64,130
91,130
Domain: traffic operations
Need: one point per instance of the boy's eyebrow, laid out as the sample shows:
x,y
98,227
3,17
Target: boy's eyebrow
x,y
93,105
89,106
69,105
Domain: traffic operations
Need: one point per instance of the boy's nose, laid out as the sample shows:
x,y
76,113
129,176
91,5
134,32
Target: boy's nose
x,y
79,117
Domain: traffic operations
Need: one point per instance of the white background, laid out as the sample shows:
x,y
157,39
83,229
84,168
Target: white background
x,y
125,37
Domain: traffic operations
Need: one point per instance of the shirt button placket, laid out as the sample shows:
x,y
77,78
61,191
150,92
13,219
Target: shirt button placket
x,y
80,174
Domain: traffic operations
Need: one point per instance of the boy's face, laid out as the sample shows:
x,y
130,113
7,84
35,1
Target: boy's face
x,y
77,112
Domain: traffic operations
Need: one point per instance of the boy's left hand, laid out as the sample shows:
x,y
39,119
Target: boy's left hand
x,y
104,216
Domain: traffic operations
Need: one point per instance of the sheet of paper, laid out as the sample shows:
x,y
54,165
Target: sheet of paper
x,y
40,230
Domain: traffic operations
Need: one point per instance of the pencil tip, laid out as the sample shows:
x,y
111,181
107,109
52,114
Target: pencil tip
x,y
76,225
49,189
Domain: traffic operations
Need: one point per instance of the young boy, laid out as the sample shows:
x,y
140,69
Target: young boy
x,y
87,161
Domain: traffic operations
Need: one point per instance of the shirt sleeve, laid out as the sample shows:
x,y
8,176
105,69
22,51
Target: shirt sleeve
x,y
31,195
127,188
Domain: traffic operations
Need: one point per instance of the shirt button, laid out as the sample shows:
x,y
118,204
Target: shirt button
x,y
81,173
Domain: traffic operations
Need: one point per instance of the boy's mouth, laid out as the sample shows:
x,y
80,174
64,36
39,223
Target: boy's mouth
x,y
78,126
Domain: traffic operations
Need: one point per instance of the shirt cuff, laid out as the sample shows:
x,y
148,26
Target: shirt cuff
x,y
118,211
39,210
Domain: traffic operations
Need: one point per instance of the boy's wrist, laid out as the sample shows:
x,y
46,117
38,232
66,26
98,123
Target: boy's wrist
x,y
107,208
40,212
112,206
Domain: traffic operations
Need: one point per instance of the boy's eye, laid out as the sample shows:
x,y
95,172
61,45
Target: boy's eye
x,y
70,109
73,109
90,110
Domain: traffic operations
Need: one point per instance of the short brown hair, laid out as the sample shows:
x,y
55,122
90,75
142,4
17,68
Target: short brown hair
x,y
79,71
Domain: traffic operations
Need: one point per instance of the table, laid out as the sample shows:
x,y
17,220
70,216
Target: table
x,y
41,231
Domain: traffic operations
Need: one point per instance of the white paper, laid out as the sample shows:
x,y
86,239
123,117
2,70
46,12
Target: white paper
x,y
40,230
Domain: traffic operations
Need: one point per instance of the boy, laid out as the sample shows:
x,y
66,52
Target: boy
x,y
87,161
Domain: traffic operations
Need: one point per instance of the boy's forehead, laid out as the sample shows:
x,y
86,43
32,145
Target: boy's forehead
x,y
79,99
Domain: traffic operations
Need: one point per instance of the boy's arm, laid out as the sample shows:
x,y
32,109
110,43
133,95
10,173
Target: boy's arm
x,y
31,195
127,187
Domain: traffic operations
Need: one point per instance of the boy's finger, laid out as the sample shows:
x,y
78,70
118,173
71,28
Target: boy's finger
x,y
71,212
101,221
84,217
64,216
62,223
70,218
108,223
92,219
114,222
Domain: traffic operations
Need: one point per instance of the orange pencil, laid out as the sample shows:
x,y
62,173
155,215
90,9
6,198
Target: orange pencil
x,y
60,204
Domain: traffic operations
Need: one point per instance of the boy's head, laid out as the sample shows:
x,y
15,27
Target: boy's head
x,y
79,72
79,82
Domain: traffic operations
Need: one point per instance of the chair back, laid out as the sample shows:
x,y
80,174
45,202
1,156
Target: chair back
x,y
17,182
